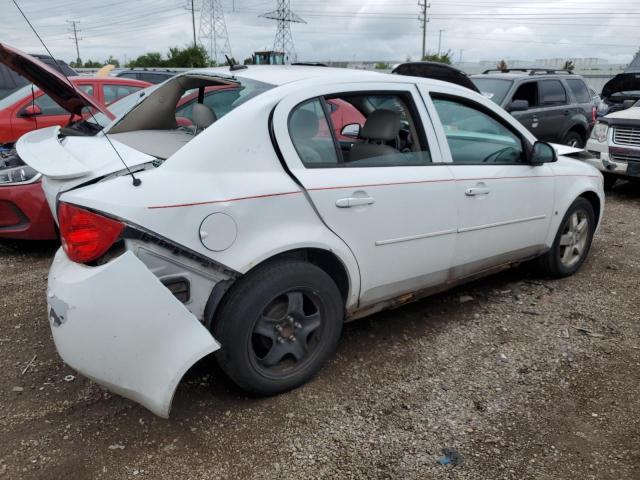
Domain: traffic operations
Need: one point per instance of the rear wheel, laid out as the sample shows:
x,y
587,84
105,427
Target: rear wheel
x,y
572,242
573,139
278,326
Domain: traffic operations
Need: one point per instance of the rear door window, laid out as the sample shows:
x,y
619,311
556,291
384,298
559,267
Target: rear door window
x,y
579,90
552,93
114,92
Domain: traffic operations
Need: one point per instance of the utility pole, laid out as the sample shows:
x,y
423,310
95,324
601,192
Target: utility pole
x,y
424,19
75,30
193,22
460,59
440,41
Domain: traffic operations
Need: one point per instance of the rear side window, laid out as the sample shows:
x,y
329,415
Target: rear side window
x,y
87,88
552,93
114,92
311,135
579,90
153,77
128,75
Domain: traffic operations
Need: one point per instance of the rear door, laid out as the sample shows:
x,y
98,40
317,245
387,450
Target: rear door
x,y
555,110
504,204
392,203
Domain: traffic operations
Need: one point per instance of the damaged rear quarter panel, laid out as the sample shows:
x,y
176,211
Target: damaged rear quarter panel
x,y
137,340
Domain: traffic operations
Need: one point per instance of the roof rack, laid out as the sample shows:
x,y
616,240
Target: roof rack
x,y
531,71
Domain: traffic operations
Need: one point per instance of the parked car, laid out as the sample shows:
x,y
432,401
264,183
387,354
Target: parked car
x,y
256,236
24,213
614,145
151,75
621,92
11,81
553,105
29,108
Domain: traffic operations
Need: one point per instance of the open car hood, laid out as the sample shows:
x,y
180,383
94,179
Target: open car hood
x,y
623,82
436,71
50,81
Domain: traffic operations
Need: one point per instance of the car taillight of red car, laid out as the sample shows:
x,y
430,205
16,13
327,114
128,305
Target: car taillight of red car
x,y
86,236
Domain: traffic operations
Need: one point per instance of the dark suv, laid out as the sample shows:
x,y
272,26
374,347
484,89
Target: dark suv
x,y
554,105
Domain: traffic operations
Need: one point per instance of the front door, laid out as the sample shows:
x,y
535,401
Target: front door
x,y
387,195
504,203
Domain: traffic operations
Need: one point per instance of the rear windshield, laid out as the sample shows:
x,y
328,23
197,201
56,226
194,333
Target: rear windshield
x,y
494,89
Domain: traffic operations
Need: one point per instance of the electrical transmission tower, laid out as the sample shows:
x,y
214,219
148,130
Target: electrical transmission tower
x,y
214,27
74,30
284,41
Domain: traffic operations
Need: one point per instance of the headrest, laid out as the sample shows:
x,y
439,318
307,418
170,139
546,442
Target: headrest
x,y
381,125
304,124
202,115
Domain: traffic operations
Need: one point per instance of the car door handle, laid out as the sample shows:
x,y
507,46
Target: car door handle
x,y
354,202
470,192
567,112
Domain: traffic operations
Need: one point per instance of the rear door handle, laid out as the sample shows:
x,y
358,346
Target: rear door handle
x,y
567,112
354,202
471,192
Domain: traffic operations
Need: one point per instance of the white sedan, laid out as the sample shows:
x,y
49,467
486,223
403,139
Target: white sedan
x,y
256,224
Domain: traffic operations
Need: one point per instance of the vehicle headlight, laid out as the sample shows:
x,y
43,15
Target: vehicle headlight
x,y
600,132
21,174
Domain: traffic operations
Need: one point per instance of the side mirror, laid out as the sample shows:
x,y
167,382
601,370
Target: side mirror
x,y
352,130
517,106
30,111
628,104
543,152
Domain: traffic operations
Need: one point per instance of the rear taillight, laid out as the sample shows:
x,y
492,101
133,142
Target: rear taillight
x,y
86,236
594,114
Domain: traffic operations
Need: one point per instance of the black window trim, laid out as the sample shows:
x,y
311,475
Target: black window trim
x,y
413,110
527,147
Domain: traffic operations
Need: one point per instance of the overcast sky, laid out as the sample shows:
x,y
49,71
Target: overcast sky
x,y
339,29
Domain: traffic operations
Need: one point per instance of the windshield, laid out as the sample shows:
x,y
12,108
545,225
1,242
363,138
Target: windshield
x,y
16,96
494,89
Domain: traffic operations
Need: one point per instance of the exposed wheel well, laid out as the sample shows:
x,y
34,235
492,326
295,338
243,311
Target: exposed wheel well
x,y
594,200
323,259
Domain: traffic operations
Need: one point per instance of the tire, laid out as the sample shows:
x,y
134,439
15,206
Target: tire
x,y
557,262
609,180
573,139
278,326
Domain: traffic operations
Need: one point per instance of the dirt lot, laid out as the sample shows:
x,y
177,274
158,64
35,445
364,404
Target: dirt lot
x,y
525,377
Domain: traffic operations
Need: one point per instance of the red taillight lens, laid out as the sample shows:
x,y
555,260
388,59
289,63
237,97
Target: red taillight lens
x,y
85,235
594,114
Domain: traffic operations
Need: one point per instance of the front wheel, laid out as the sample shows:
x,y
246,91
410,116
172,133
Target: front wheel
x,y
572,242
573,139
278,326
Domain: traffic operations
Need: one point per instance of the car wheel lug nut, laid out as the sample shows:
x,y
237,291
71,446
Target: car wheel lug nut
x,y
297,325
280,340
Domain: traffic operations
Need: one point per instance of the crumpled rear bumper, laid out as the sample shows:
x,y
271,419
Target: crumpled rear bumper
x,y
118,325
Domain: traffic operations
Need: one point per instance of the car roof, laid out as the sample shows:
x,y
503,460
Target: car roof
x,y
286,74
526,76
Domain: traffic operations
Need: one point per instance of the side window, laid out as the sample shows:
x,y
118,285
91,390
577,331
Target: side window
x,y
133,75
49,107
153,77
552,93
476,137
527,91
87,88
115,92
311,135
579,90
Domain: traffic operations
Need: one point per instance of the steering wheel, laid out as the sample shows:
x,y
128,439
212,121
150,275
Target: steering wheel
x,y
496,154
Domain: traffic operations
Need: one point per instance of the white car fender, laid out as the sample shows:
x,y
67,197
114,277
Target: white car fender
x,y
573,178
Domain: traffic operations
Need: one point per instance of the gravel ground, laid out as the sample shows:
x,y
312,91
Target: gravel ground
x,y
524,377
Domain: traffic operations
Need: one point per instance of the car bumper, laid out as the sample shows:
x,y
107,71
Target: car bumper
x,y
119,326
25,214
607,159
